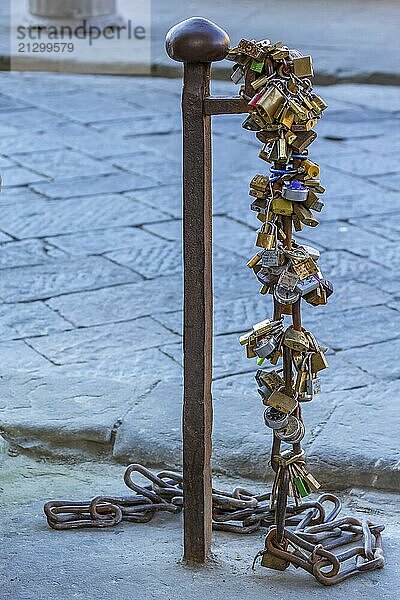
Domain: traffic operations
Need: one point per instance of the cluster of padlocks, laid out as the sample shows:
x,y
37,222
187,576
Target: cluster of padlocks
x,y
283,109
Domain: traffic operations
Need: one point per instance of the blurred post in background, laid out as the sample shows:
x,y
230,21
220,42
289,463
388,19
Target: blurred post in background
x,y
100,13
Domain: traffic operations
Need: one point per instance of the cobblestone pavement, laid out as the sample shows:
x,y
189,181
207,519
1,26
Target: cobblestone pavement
x,y
90,285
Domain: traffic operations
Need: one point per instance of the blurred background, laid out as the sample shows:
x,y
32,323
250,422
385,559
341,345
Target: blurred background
x,y
354,40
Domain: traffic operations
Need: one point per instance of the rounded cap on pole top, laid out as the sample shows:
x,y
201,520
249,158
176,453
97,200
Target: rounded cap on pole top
x,y
197,40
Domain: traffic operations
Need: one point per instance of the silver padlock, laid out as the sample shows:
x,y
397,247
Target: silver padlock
x,y
285,296
288,280
312,252
314,386
293,432
285,291
295,191
307,285
270,258
260,205
264,392
237,73
305,397
266,347
274,418
318,205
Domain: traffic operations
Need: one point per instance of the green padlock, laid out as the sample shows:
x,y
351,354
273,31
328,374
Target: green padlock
x,y
301,487
257,66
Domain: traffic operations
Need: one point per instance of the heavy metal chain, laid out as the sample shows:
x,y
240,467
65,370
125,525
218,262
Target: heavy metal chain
x,y
302,535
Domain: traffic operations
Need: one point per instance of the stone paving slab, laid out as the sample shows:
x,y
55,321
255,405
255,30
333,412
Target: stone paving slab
x,y
23,320
41,217
52,279
28,253
380,467
79,412
89,186
99,241
91,278
122,303
62,164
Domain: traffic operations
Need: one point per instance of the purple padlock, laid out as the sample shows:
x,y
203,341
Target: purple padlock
x,y
294,190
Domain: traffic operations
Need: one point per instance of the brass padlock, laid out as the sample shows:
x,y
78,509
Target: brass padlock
x,y
260,205
264,153
303,139
250,351
287,117
305,215
269,559
318,362
258,194
305,268
259,82
266,137
296,340
250,124
311,168
279,400
290,138
300,113
274,358
271,379
260,183
250,48
301,381
312,198
306,101
244,339
270,256
266,236
263,327
303,66
297,224
316,297
318,104
258,120
254,260
270,103
279,150
281,206
304,125
280,53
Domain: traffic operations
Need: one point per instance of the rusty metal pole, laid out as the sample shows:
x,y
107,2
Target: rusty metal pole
x,y
197,42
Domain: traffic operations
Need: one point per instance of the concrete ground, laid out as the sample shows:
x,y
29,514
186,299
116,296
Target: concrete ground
x,y
143,560
90,285
350,40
